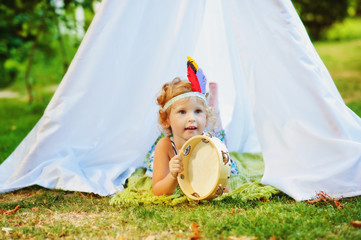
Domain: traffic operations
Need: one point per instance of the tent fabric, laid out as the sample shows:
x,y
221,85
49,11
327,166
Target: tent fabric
x,y
276,96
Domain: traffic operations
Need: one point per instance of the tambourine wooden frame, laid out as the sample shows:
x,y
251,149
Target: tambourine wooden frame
x,y
223,168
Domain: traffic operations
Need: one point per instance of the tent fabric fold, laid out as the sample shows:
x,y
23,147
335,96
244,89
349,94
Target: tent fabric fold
x,y
275,96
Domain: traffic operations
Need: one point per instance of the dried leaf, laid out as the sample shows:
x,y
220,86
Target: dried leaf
x,y
314,201
81,194
10,211
34,209
356,224
95,195
272,238
338,204
196,233
242,238
232,210
7,230
325,198
90,195
151,237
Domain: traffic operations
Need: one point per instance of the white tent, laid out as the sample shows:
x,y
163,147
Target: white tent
x,y
102,119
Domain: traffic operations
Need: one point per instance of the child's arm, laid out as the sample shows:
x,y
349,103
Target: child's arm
x,y
165,171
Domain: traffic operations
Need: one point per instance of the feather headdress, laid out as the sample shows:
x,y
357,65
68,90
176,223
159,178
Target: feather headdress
x,y
196,76
198,82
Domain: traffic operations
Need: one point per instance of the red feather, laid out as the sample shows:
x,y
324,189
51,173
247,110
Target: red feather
x,y
192,77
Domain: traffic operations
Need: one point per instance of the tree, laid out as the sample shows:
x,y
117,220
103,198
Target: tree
x,y
317,16
358,8
10,38
26,26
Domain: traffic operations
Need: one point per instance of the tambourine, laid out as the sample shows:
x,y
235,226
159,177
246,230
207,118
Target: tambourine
x,y
207,167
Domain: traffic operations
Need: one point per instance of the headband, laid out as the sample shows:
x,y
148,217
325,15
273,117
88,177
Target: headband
x,y
198,83
184,95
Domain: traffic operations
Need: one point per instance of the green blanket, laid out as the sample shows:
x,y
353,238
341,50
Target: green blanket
x,y
244,186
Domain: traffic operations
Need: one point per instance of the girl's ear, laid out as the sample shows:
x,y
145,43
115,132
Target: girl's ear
x,y
167,123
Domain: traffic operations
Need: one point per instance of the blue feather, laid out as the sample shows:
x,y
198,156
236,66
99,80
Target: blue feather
x,y
202,80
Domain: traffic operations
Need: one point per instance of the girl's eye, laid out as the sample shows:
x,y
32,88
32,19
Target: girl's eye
x,y
198,111
182,111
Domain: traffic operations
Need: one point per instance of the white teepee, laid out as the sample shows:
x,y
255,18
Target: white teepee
x,y
102,119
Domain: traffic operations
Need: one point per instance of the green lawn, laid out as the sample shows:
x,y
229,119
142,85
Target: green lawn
x,y
57,214
343,60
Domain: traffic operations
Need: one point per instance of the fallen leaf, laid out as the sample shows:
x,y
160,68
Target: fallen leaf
x,y
196,233
325,198
10,211
34,209
95,195
89,195
232,210
338,204
81,194
151,237
272,238
242,238
6,229
356,224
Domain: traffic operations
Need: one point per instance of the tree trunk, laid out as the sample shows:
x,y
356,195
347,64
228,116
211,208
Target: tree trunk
x,y
29,88
358,8
61,43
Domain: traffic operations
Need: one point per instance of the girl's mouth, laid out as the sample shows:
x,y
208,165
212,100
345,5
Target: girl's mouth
x,y
190,128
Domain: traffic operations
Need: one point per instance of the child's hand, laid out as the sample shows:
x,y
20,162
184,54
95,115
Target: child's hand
x,y
175,165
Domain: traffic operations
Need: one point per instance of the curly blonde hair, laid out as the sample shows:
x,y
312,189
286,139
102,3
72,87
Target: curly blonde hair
x,y
169,91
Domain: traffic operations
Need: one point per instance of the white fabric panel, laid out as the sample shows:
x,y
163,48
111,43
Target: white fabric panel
x,y
310,140
102,119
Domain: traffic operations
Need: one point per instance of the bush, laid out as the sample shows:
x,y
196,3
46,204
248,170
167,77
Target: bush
x,y
318,16
349,29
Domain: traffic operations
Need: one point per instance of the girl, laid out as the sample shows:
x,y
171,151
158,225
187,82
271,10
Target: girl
x,y
183,113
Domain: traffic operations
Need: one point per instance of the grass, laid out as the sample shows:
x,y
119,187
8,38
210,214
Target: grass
x,y
58,214
343,62
17,119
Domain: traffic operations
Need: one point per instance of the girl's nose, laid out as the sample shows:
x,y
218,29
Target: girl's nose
x,y
191,117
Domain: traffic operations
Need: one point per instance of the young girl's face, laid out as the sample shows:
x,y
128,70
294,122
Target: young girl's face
x,y
188,118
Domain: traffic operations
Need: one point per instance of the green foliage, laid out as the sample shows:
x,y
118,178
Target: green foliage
x,y
21,22
318,16
349,29
29,26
